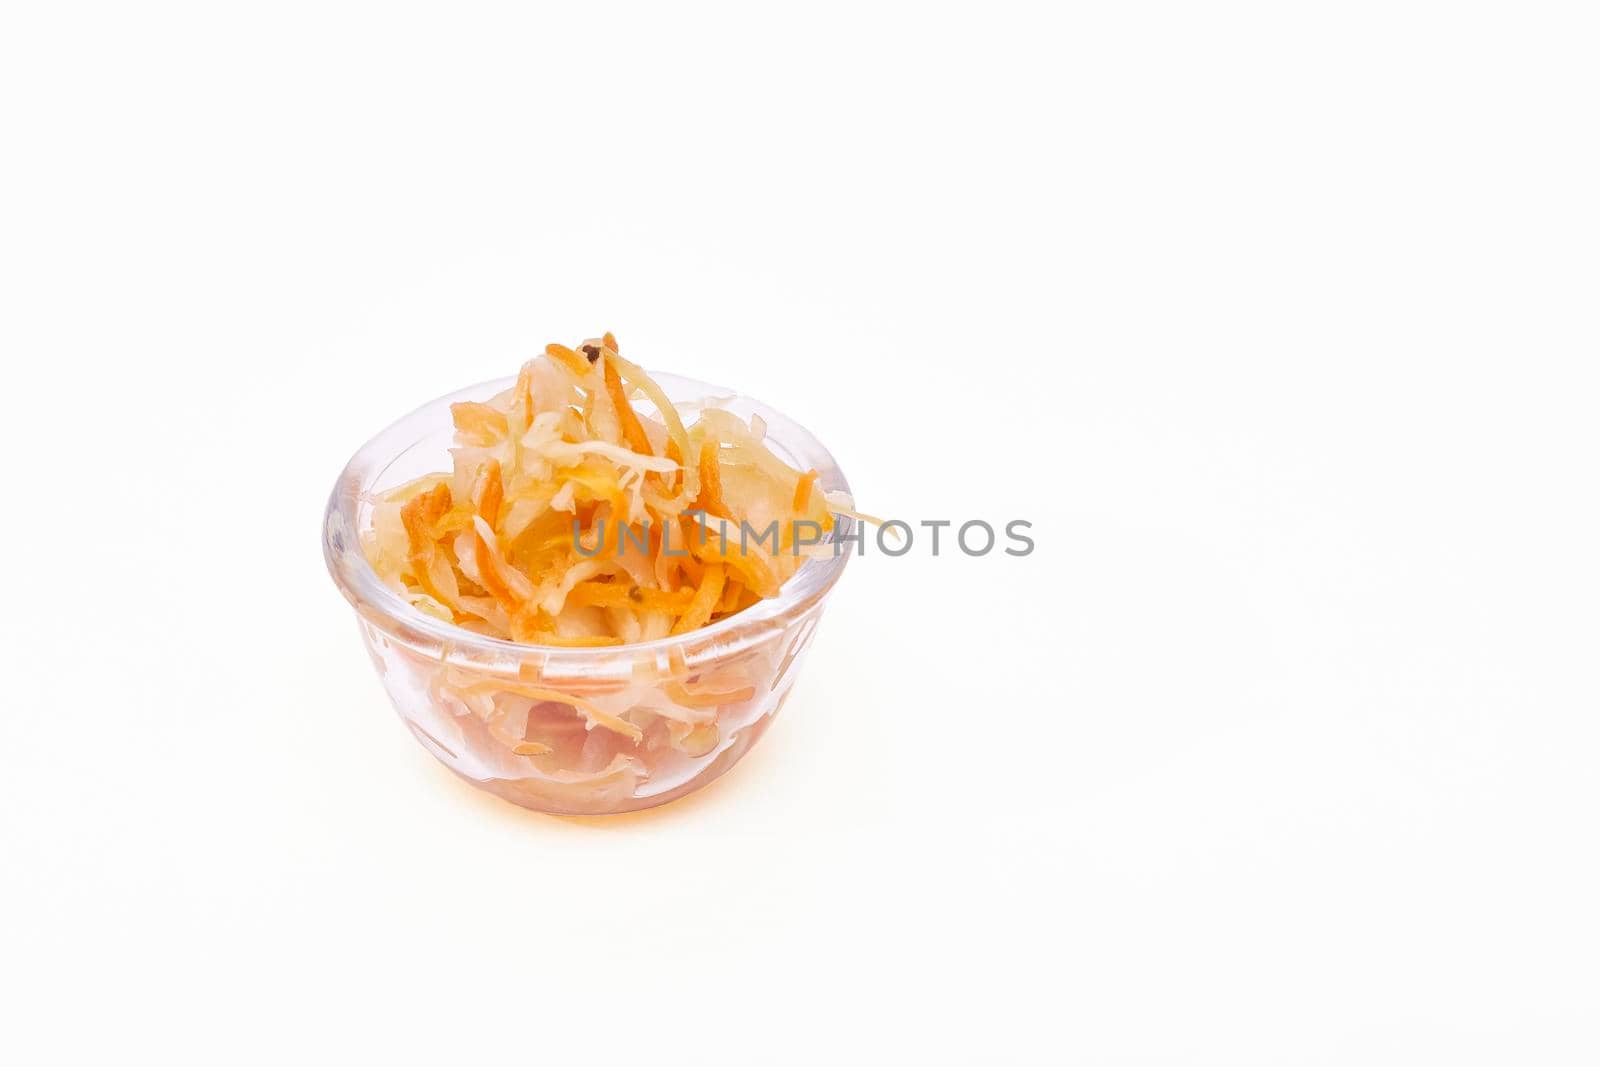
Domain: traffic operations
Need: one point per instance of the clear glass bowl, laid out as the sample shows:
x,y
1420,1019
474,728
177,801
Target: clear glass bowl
x,y
702,699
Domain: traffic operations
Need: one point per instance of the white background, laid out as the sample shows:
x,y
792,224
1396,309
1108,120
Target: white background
x,y
1278,321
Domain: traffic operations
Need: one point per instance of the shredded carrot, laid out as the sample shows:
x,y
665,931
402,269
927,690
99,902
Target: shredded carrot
x,y
489,575
525,393
418,516
623,595
710,500
730,597
479,421
492,494
632,432
592,641
802,490
704,602
568,359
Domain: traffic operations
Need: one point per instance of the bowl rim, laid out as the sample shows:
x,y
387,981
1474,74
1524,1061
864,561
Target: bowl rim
x,y
380,605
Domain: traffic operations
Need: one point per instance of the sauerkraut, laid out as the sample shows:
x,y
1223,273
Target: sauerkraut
x,y
582,511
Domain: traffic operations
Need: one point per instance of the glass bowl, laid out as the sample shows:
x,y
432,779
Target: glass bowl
x,y
489,708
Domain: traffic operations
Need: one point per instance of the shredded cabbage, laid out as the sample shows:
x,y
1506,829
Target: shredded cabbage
x,y
520,540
